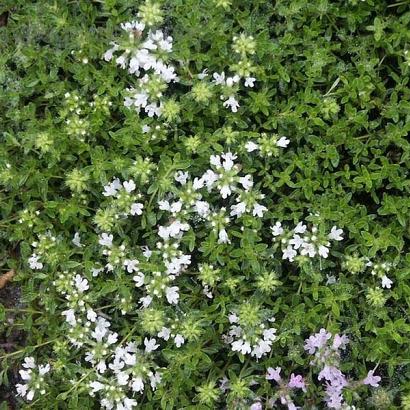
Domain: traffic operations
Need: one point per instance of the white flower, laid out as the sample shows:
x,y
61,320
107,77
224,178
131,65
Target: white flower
x,y
106,240
258,210
296,241
42,370
241,346
145,128
129,186
300,228
202,208
246,182
165,333
219,79
289,253
76,240
283,142
81,283
112,188
172,294
386,282
146,301
131,265
181,177
69,317
230,81
308,249
250,146
238,209
225,191
91,315
335,234
96,271
179,340
154,379
122,378
232,103
136,208
34,262
233,318
139,279
96,386
277,229
29,363
223,236
22,389
150,345
137,384
249,81
203,74
146,252
323,251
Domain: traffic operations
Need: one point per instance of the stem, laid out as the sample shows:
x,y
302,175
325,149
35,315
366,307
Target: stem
x,y
22,350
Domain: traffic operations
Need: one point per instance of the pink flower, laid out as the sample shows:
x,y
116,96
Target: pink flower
x,y
297,382
371,380
273,374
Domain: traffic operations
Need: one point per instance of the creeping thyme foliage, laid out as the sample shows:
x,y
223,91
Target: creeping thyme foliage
x,y
205,204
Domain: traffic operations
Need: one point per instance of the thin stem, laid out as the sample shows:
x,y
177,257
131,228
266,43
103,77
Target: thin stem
x,y
22,350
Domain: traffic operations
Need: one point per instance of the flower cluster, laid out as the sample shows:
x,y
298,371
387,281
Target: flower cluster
x,y
304,241
144,54
267,146
250,331
286,388
34,378
326,350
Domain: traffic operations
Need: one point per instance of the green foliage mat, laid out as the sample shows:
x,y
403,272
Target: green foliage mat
x,y
182,222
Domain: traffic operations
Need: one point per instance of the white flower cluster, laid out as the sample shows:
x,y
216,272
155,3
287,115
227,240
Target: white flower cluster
x,y
34,377
304,242
267,146
381,270
126,200
223,176
128,372
229,84
145,52
43,245
120,371
255,339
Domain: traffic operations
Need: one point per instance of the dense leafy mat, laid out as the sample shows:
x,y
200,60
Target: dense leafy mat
x,y
206,204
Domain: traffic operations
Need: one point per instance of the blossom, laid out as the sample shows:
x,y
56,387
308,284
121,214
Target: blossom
x,y
386,282
223,236
232,103
277,229
335,234
289,253
219,79
76,240
129,186
282,142
273,374
371,380
172,295
150,345
250,146
179,340
106,240
249,81
297,382
136,208
34,262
